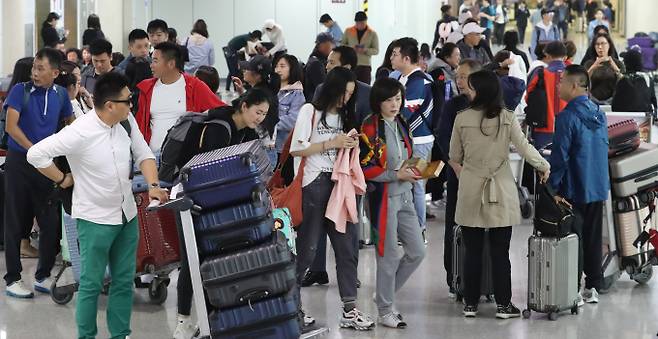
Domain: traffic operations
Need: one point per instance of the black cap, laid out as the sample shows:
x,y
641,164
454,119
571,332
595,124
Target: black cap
x,y
360,16
325,18
259,64
324,37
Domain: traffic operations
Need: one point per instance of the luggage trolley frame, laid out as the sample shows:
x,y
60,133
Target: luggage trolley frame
x,y
184,206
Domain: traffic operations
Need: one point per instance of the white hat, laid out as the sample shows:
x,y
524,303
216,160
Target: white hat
x,y
454,37
472,27
269,24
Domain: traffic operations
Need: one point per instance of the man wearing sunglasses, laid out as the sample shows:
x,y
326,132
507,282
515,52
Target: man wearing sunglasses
x,y
100,153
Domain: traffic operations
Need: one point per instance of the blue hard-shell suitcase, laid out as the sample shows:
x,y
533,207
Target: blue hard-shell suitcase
x,y
235,237
250,275
225,165
247,212
275,318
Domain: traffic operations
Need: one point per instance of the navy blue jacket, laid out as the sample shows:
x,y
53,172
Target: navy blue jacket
x,y
579,157
447,122
513,89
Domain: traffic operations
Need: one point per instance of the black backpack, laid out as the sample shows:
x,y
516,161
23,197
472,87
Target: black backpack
x,y
183,141
633,94
536,113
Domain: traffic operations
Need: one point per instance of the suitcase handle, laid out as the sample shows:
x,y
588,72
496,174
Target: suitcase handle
x,y
255,295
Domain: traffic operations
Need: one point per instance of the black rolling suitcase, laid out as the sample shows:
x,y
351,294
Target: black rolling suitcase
x,y
458,254
249,275
274,318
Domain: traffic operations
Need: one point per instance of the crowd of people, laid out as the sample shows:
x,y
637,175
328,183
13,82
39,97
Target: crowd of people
x,y
455,102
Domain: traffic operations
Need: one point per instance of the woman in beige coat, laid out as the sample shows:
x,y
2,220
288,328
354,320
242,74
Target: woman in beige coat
x,y
487,195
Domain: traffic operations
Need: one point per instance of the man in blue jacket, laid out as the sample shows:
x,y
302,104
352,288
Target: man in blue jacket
x,y
579,170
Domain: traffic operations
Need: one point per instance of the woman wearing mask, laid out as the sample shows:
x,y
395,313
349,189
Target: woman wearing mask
x,y
321,130
487,196
244,116
291,97
605,70
200,49
385,146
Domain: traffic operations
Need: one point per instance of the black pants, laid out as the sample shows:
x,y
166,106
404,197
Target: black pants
x,y
521,30
499,238
232,63
499,32
363,73
184,289
320,262
27,195
591,242
564,29
451,206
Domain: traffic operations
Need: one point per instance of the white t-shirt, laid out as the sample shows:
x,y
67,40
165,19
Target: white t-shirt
x,y
500,15
167,105
320,162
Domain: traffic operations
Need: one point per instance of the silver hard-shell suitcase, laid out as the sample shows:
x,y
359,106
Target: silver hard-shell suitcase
x,y
552,275
634,172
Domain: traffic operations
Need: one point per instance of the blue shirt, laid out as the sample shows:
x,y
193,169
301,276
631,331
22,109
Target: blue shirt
x,y
45,108
579,156
336,32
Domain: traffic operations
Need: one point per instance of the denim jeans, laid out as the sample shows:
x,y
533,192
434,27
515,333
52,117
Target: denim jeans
x,y
421,151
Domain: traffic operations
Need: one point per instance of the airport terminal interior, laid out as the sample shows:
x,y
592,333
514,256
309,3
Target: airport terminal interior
x,y
627,306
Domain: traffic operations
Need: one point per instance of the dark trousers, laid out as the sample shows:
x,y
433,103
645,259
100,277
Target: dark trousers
x,y
315,197
363,73
184,286
232,63
451,206
320,262
499,32
591,243
564,28
521,30
28,196
499,238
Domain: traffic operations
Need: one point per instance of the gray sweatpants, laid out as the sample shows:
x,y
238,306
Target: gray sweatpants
x,y
393,270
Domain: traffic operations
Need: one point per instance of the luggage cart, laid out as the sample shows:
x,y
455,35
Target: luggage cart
x,y
184,206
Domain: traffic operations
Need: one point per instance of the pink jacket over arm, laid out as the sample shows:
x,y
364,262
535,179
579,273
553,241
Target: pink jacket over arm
x,y
349,181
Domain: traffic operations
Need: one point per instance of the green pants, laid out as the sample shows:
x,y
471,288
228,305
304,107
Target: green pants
x,y
100,246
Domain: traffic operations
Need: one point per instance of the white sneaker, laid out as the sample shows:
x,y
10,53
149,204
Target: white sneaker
x,y
185,329
391,320
581,302
18,290
357,320
425,240
44,285
591,296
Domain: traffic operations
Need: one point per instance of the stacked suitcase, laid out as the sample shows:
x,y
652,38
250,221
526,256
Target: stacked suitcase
x,y
633,179
247,270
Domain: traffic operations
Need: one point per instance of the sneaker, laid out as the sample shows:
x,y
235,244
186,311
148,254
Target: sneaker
x,y
44,285
451,294
508,311
357,320
308,320
429,216
470,311
18,290
310,278
591,296
580,301
425,237
185,329
398,315
391,320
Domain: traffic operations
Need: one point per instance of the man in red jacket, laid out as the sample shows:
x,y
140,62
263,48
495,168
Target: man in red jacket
x,y
168,95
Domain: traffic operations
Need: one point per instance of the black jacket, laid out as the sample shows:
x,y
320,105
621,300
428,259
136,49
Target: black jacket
x,y
217,136
314,73
90,35
50,36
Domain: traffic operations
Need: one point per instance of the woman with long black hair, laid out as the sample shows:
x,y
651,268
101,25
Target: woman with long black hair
x,y
487,196
49,32
320,132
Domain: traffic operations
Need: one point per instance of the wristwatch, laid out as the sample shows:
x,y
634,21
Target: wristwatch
x,y
154,185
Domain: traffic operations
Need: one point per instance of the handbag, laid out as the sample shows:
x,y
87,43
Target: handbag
x,y
552,219
290,196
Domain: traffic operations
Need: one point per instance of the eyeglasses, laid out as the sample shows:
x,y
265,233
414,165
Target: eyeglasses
x,y
126,101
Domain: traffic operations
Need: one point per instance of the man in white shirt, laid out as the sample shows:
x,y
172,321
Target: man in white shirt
x,y
275,34
100,148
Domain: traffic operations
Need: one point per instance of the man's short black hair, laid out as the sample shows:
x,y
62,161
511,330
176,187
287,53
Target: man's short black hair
x,y
555,49
100,46
109,87
157,25
54,56
347,55
579,74
137,34
325,18
445,9
408,48
257,34
171,51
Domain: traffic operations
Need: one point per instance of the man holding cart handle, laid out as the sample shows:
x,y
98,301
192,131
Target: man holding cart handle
x,y
100,148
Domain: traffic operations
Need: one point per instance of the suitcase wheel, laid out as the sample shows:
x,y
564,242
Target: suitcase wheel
x,y
526,314
552,316
158,291
574,310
